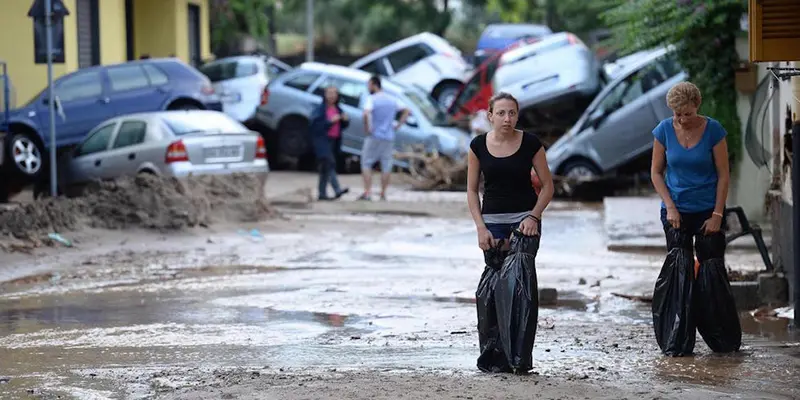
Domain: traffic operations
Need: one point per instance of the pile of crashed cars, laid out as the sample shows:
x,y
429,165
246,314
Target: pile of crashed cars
x,y
144,116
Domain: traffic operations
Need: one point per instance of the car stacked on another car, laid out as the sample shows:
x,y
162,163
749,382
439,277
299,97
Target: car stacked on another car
x,y
497,37
294,95
616,128
89,96
425,60
553,79
242,81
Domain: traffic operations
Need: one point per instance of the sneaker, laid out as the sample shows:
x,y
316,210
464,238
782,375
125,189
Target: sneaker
x,y
364,197
342,193
324,198
383,197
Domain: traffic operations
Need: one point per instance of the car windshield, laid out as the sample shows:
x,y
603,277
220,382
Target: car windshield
x,y
182,123
224,70
430,109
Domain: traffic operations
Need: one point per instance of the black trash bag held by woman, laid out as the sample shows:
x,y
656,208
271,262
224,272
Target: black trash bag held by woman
x,y
715,312
492,358
517,301
673,321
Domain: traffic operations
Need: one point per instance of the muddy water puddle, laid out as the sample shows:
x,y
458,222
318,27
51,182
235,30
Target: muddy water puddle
x,y
404,299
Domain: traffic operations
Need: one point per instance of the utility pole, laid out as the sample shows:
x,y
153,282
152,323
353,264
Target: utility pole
x,y
309,30
796,218
51,100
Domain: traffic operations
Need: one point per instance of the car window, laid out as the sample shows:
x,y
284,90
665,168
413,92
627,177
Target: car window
x,y
668,65
130,133
83,85
224,70
274,70
630,89
97,141
349,91
302,81
185,123
156,76
406,57
128,77
375,68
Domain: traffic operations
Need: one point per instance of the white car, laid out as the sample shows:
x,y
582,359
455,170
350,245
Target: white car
x,y
424,60
553,79
242,82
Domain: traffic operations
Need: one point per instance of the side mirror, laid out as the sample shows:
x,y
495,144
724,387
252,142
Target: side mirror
x,y
412,122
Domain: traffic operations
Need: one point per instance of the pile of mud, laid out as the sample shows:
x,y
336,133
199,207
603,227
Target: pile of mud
x,y
145,201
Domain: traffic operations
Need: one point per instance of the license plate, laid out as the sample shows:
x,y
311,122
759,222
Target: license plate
x,y
223,152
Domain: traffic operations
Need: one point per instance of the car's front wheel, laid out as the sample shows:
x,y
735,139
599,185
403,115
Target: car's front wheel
x,y
25,156
446,95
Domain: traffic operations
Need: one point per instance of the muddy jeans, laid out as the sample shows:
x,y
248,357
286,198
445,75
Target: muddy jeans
x,y
692,227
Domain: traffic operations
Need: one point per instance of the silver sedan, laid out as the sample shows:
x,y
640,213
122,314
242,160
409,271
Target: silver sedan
x,y
168,143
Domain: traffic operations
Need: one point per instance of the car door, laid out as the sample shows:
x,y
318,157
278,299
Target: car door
x,y
124,157
131,92
83,103
627,121
88,158
351,93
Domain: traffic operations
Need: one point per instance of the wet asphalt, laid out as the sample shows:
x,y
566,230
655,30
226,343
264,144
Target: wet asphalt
x,y
399,297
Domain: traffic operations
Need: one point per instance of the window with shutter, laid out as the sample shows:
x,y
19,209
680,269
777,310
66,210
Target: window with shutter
x,y
774,30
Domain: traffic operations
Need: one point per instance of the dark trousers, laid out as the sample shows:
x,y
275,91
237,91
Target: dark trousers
x,y
327,170
692,228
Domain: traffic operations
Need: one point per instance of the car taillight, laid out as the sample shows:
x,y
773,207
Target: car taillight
x,y
261,149
265,96
176,152
208,90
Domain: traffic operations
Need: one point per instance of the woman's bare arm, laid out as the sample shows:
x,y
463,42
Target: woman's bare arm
x,y
657,168
473,180
546,178
723,173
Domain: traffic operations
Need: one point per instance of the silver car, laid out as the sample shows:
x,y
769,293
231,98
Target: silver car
x,y
167,143
617,126
293,97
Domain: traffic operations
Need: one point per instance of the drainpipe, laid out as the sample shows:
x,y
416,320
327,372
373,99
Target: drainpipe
x,y
796,196
796,218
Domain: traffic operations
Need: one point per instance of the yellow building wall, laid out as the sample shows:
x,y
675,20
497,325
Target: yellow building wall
x,y
160,30
113,47
154,28
16,49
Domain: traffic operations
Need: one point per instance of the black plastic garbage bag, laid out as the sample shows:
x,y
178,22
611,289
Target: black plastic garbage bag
x,y
517,301
715,312
492,358
673,321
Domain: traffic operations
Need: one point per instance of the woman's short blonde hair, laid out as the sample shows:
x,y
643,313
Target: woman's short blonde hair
x,y
682,95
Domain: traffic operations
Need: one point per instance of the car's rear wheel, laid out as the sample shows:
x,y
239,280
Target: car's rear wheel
x,y
580,170
447,94
25,156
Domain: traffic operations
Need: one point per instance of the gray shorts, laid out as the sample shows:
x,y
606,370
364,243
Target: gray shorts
x,y
375,150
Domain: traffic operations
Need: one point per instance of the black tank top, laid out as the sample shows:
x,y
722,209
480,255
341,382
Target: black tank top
x,y
507,186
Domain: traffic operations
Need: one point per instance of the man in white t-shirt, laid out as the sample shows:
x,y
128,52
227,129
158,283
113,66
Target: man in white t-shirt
x,y
380,110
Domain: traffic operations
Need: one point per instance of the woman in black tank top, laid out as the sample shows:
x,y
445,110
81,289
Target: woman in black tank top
x,y
505,157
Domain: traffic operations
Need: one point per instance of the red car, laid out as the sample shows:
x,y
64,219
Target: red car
x,y
475,94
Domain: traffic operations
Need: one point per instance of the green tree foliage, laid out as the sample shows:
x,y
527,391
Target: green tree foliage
x,y
704,34
233,19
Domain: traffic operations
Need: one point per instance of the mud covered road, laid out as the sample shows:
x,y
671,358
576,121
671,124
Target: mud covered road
x,y
349,300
